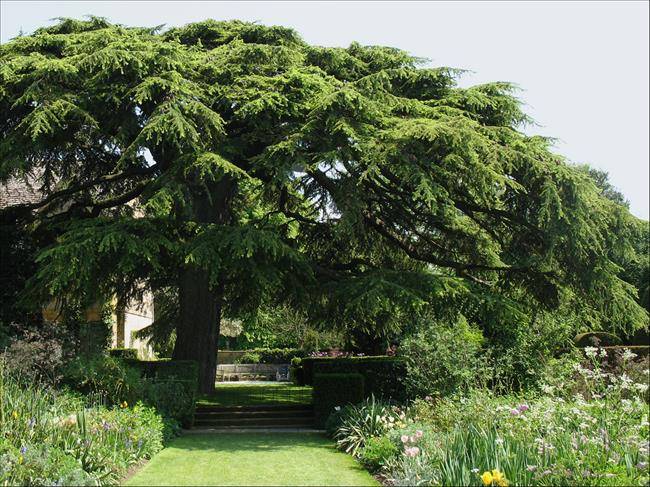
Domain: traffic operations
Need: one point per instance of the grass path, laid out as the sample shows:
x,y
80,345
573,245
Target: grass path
x,y
252,459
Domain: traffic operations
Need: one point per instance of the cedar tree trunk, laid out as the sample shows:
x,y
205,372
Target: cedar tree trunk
x,y
197,332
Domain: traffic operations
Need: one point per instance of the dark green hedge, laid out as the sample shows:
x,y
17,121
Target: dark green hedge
x,y
334,390
172,386
382,374
277,355
127,353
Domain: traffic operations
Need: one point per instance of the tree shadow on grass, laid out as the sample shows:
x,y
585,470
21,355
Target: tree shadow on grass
x,y
249,395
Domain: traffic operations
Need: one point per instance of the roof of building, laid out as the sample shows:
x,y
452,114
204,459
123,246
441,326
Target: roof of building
x,y
18,191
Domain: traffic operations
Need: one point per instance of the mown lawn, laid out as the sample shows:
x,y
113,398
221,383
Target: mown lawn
x,y
252,459
233,394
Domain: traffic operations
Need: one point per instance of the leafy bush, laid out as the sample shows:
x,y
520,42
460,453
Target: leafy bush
x,y
249,358
171,387
48,437
335,390
378,452
105,376
441,359
270,355
38,354
368,419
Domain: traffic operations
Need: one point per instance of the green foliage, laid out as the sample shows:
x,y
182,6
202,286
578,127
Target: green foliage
x,y
104,376
335,391
240,152
249,357
171,386
382,375
377,452
441,358
358,423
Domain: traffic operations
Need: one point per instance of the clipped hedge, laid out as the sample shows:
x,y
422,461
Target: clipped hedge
x,y
277,355
125,353
335,390
382,374
172,386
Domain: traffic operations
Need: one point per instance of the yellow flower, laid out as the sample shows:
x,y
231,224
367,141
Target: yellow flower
x,y
486,478
497,476
124,404
20,460
14,414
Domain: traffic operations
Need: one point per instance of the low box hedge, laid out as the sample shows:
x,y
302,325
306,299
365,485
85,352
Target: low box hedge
x,y
335,390
382,374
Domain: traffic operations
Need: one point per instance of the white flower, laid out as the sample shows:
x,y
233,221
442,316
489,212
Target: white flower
x,y
591,352
499,441
337,408
628,354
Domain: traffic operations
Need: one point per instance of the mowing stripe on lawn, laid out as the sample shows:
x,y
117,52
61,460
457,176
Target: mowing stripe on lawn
x,y
252,459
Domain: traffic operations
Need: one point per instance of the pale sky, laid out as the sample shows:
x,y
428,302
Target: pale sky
x,y
583,66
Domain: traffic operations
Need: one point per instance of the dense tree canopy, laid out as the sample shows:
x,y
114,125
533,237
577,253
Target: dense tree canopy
x,y
237,165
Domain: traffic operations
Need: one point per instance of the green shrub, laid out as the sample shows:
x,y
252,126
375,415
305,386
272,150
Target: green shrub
x,y
382,374
125,353
249,358
335,390
173,399
441,359
172,387
271,355
378,452
109,377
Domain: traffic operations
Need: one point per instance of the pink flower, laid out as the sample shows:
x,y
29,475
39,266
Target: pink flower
x,y
514,412
523,408
404,439
412,452
419,434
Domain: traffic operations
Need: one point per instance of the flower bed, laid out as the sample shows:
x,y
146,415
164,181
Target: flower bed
x,y
49,437
590,428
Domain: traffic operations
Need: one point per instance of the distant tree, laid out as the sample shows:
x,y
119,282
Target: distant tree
x,y
239,165
601,180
